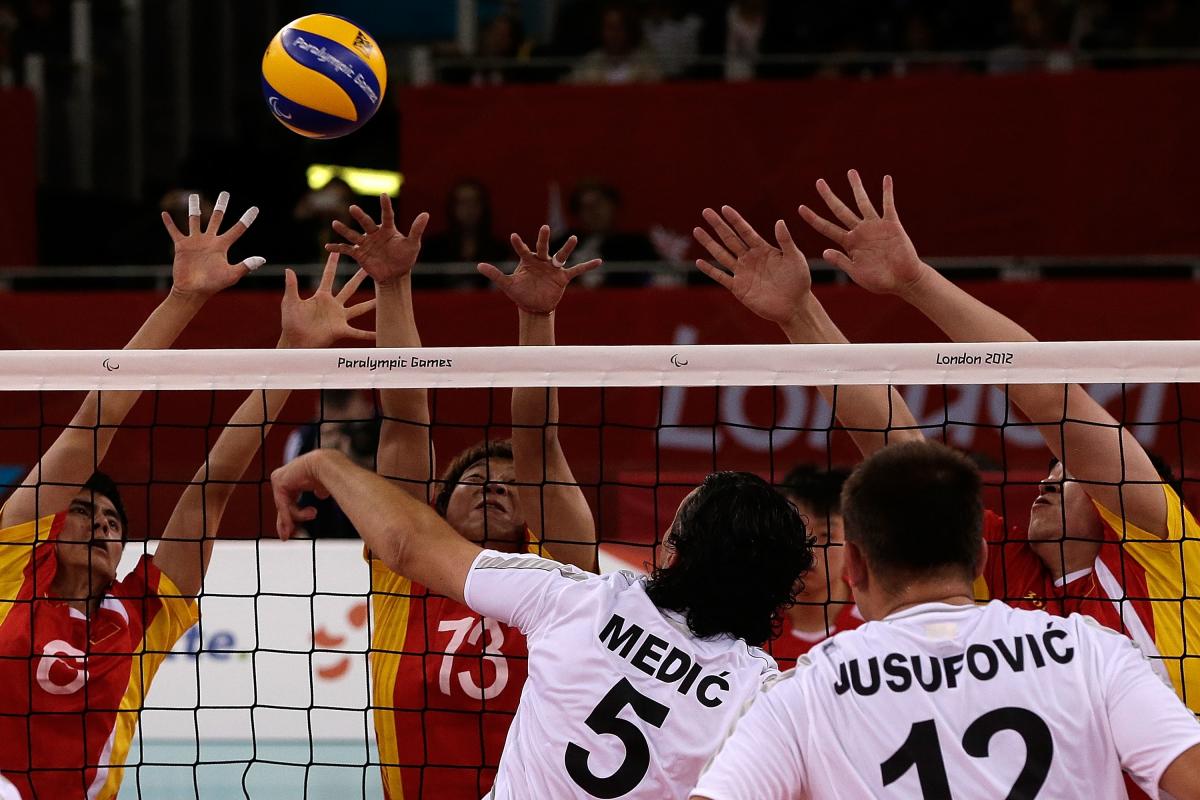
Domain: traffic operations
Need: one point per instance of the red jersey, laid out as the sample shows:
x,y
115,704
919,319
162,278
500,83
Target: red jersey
x,y
73,685
792,643
1144,585
445,686
1150,585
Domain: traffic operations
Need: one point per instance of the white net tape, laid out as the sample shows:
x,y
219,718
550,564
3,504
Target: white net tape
x,y
651,365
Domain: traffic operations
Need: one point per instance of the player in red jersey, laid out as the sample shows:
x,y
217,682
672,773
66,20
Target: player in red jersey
x,y
824,607
78,648
1113,535
446,681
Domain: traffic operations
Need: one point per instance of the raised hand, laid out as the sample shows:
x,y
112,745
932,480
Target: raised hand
x,y
324,318
770,281
538,283
201,267
386,254
878,255
288,483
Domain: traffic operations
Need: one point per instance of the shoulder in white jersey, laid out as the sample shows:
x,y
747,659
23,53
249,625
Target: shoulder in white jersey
x,y
622,700
941,701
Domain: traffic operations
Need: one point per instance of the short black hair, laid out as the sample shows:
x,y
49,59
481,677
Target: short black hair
x,y
915,508
740,551
101,484
488,449
1161,466
819,489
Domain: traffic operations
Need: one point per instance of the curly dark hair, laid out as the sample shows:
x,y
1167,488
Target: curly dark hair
x,y
740,551
498,448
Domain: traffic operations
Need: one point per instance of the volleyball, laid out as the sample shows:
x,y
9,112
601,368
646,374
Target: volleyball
x,y
323,76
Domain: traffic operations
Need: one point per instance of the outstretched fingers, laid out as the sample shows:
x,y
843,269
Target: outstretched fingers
x,y
584,268
823,226
218,214
839,209
172,230
714,248
358,309
565,251
418,225
519,245
241,226
743,229
865,207
494,273
786,243
327,274
387,215
838,259
543,243
350,286
717,274
340,249
193,214
734,244
363,219
291,285
889,200
346,232
248,265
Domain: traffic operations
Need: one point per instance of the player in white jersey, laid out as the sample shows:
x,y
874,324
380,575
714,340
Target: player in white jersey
x,y
938,697
632,681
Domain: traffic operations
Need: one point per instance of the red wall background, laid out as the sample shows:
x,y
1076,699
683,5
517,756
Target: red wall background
x,y
633,456
1088,163
18,178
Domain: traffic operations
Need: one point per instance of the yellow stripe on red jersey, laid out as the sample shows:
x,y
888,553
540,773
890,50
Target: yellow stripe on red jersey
x,y
75,684
167,616
445,684
1169,569
17,545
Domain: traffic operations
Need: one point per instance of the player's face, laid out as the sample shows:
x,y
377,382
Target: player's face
x,y
828,553
91,538
484,506
1063,515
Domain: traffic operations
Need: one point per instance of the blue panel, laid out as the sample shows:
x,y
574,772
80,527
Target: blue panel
x,y
322,125
331,59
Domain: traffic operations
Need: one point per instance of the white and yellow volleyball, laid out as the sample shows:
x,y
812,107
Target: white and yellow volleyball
x,y
323,76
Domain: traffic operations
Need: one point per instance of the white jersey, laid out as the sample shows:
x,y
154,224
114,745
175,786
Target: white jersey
x,y
942,701
621,699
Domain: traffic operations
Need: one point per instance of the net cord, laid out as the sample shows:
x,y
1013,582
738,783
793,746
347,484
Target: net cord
x,y
609,366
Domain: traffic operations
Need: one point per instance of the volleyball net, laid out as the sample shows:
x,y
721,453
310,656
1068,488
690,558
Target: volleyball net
x,y
272,693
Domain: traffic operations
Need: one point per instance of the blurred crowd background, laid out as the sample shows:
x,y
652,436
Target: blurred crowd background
x,y
143,101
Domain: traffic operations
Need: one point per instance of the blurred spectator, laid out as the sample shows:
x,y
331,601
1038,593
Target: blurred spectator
x,y
468,236
318,208
594,208
1038,39
1169,23
502,38
621,57
502,41
346,422
745,23
672,33
8,59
